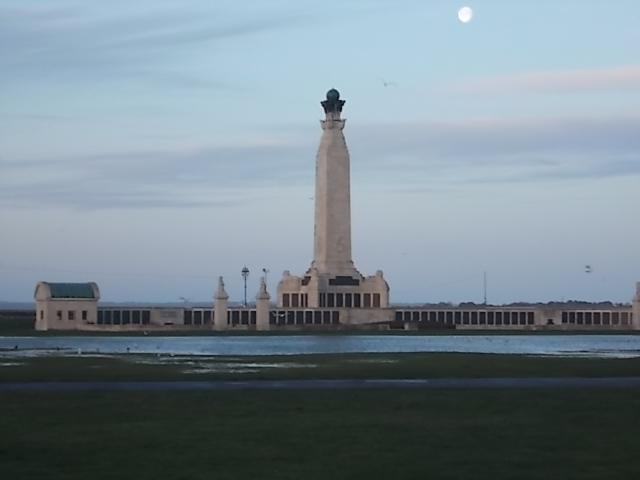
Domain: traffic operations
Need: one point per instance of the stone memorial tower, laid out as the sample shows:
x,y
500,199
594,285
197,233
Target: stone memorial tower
x,y
332,280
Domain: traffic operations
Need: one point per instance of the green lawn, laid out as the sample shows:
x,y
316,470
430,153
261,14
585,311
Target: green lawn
x,y
328,366
347,434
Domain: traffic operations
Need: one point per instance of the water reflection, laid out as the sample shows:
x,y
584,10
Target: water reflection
x,y
609,345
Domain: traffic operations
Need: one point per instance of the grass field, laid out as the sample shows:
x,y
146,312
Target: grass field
x,y
351,434
328,366
563,433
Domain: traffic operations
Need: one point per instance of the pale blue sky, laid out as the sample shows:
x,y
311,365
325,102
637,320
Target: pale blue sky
x,y
152,146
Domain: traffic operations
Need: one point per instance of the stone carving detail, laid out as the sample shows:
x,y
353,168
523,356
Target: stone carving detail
x,y
332,104
220,293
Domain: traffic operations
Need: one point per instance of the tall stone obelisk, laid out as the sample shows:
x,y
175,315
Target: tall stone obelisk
x,y
332,236
332,281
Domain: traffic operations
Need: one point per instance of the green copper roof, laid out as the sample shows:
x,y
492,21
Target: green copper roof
x,y
71,290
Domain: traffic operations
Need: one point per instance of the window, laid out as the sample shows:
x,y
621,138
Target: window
x,y
624,318
367,300
348,300
71,315
59,314
523,318
84,314
615,318
285,299
41,314
356,300
376,300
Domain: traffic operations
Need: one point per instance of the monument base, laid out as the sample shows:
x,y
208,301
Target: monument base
x,y
316,290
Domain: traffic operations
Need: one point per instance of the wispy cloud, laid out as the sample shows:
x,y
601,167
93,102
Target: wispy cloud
x,y
88,44
402,156
623,78
107,41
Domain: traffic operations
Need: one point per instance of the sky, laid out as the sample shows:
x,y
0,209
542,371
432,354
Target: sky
x,y
153,146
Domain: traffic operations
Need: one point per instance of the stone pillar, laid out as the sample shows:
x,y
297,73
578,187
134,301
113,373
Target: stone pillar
x,y
313,289
262,307
220,307
635,303
332,242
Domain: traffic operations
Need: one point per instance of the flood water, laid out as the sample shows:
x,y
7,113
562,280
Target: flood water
x,y
586,345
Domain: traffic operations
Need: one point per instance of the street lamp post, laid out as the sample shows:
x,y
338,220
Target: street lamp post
x,y
245,275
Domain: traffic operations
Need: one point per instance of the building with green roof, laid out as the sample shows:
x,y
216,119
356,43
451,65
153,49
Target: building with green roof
x,y
66,306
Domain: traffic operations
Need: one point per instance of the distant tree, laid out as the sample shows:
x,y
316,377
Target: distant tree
x,y
467,304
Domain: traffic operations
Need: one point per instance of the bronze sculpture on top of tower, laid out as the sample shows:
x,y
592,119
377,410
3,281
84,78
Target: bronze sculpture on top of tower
x,y
332,104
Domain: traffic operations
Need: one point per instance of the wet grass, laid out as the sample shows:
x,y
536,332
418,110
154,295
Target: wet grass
x,y
346,434
133,367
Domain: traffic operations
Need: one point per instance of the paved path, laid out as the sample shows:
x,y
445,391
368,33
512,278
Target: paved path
x,y
570,382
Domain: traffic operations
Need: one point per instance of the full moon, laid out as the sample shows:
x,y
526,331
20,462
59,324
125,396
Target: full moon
x,y
465,14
